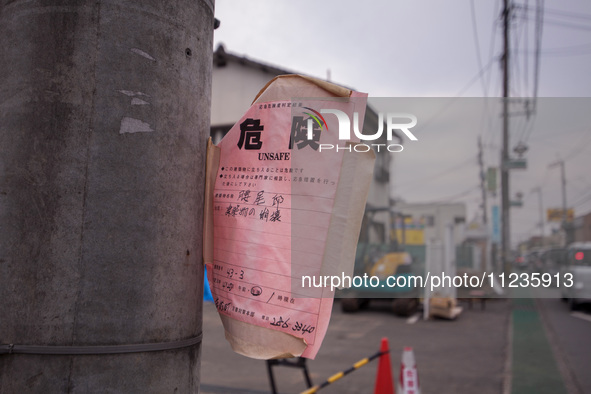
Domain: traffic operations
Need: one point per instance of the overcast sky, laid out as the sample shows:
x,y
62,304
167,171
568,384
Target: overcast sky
x,y
444,49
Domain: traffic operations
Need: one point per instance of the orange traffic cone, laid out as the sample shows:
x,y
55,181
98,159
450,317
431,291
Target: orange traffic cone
x,y
384,382
409,376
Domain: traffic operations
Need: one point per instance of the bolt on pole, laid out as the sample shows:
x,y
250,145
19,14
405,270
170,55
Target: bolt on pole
x,y
104,117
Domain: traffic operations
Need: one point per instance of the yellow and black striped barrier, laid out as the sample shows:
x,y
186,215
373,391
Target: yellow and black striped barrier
x,y
339,375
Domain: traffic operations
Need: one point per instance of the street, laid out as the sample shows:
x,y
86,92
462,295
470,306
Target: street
x,y
452,356
570,333
468,355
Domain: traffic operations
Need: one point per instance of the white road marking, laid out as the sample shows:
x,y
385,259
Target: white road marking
x,y
413,319
581,315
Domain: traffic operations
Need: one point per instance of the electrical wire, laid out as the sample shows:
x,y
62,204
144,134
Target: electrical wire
x,y
459,195
581,201
441,174
477,44
454,197
459,94
580,147
560,13
526,46
567,25
538,47
574,50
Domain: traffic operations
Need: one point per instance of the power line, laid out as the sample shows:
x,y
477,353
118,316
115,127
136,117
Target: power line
x,y
580,147
477,43
575,50
515,72
526,58
567,25
461,194
578,49
458,196
439,174
539,29
559,13
493,38
459,94
487,116
581,201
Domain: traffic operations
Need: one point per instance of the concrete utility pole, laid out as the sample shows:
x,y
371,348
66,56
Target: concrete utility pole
x,y
104,116
505,203
568,236
538,190
482,183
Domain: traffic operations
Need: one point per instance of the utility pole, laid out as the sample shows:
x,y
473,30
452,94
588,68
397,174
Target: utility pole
x,y
489,258
104,117
505,203
482,183
565,226
541,206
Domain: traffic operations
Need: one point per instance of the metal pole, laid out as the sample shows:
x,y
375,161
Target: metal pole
x,y
104,116
565,226
542,234
564,219
505,217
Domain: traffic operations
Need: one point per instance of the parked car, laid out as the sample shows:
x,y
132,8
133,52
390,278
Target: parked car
x,y
578,264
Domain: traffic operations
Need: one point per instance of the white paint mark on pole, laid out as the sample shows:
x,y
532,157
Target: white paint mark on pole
x,y
142,53
131,125
132,94
137,101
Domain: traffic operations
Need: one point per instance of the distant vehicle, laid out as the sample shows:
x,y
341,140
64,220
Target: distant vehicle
x,y
534,260
521,262
553,259
578,264
382,261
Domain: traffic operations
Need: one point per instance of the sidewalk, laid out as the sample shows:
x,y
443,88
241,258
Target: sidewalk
x,y
467,355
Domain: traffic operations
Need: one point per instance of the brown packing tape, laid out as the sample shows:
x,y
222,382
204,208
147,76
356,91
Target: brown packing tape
x,y
211,167
287,87
260,342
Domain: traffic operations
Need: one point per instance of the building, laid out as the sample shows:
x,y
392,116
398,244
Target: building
x,y
235,82
582,228
432,219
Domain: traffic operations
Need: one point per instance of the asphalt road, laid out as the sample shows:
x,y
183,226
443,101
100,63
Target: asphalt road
x,y
570,336
467,355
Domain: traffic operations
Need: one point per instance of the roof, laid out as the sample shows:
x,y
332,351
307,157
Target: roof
x,y
221,59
